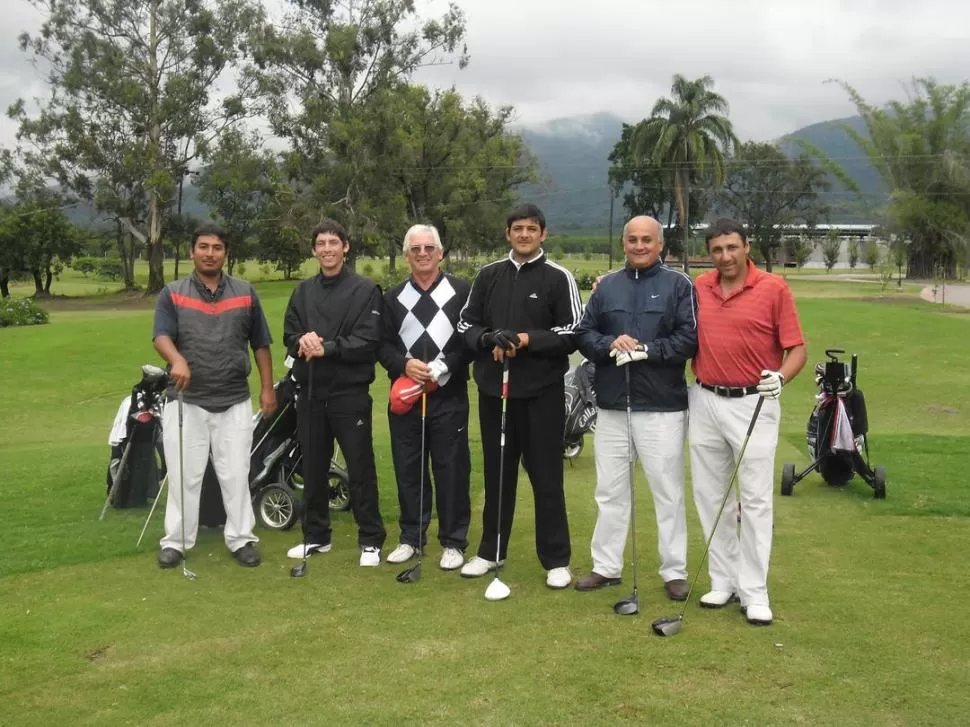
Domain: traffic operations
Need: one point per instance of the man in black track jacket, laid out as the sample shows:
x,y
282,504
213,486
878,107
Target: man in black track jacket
x,y
641,321
333,323
523,308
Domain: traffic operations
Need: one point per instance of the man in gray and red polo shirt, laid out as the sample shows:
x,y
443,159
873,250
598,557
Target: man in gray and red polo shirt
x,y
205,325
750,344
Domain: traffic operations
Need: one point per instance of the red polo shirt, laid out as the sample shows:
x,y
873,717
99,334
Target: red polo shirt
x,y
746,332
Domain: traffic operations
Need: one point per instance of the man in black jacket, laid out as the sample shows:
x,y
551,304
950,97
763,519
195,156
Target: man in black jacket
x,y
525,308
643,317
421,343
333,323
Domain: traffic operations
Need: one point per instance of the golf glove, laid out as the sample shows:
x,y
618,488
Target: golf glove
x,y
503,339
625,357
770,385
438,369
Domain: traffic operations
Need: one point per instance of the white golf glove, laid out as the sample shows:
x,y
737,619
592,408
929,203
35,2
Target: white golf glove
x,y
770,385
438,370
625,357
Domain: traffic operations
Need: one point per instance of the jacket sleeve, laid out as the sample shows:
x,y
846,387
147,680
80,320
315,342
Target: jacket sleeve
x,y
560,340
389,353
361,342
472,316
594,345
294,322
681,344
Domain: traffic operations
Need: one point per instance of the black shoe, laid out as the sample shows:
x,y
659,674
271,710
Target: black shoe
x,y
247,556
169,557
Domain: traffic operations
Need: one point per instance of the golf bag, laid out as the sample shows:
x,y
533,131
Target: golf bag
x,y
580,408
275,466
838,430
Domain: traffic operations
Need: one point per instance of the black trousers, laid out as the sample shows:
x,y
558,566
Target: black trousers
x,y
446,444
533,432
346,417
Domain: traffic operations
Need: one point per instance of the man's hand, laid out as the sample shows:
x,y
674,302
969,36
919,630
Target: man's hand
x,y
523,340
311,346
506,340
437,369
639,353
417,371
623,344
267,402
180,374
770,385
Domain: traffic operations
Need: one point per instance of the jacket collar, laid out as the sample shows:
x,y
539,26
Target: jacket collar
x,y
535,258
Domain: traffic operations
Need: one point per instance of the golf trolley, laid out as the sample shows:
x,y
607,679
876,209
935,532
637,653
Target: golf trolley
x,y
580,408
838,429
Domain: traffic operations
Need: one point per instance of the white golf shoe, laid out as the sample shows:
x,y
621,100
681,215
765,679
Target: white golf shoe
x,y
297,550
717,599
370,557
477,567
451,559
401,553
758,615
559,577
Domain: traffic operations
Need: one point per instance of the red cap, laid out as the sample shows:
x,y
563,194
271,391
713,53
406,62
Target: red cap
x,y
405,392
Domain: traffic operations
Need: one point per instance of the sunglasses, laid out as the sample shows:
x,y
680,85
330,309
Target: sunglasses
x,y
428,249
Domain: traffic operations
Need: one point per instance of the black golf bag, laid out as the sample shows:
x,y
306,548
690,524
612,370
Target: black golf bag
x,y
838,430
580,408
275,465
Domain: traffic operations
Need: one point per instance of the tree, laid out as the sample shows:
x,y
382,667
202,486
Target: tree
x,y
853,252
921,149
132,97
36,239
798,250
643,181
766,190
831,248
324,70
872,254
689,135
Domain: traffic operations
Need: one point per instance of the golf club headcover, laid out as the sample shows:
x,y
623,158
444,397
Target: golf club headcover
x,y
406,392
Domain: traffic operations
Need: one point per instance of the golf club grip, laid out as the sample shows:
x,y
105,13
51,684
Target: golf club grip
x,y
754,417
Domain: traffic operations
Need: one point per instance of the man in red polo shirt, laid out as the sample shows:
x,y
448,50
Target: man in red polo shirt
x,y
750,344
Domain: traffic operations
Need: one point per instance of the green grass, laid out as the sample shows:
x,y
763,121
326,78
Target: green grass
x,y
868,595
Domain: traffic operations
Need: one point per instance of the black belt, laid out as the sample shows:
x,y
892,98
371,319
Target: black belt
x,y
734,392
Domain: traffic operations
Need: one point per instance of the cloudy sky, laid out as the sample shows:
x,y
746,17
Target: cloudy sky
x,y
769,58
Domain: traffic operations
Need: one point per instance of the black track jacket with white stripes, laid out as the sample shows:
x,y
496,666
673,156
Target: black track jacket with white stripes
x,y
538,297
657,307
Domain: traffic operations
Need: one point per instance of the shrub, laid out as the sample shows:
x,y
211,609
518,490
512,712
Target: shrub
x,y
85,265
110,268
21,312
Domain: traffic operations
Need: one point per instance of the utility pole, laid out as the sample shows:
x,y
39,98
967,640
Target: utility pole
x,y
611,227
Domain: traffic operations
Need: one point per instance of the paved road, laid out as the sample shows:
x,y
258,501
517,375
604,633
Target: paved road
x,y
955,293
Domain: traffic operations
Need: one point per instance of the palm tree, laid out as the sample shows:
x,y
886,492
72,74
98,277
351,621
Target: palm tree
x,y
688,134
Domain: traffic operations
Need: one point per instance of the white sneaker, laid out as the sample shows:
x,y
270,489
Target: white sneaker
x,y
758,615
559,577
451,559
717,599
477,567
297,550
401,553
370,557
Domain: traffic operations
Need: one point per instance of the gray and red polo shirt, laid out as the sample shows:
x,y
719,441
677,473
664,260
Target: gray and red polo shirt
x,y
214,332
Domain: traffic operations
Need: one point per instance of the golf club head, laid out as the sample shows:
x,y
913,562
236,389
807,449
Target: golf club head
x,y
667,626
410,575
190,575
299,570
497,591
628,606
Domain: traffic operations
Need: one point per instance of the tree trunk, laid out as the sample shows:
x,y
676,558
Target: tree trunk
x,y
38,282
127,254
391,256
178,242
685,222
48,277
4,287
924,264
156,255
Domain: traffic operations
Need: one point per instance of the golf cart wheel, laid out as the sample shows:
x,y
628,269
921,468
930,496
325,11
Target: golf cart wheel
x,y
573,449
339,491
276,507
787,479
879,483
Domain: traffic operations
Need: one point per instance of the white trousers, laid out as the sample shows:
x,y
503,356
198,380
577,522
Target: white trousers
x,y
658,439
229,435
738,561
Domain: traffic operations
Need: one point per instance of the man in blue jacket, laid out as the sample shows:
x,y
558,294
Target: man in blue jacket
x,y
645,317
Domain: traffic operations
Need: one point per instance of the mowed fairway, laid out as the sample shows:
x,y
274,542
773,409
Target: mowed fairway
x,y
869,596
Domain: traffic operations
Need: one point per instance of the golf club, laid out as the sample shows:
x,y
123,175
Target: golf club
x,y
114,484
498,591
185,555
161,489
298,571
412,574
671,625
631,606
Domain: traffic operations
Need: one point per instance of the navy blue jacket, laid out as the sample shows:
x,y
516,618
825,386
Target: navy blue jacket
x,y
656,306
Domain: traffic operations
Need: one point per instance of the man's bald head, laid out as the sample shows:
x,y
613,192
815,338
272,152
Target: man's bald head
x,y
643,239
657,229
